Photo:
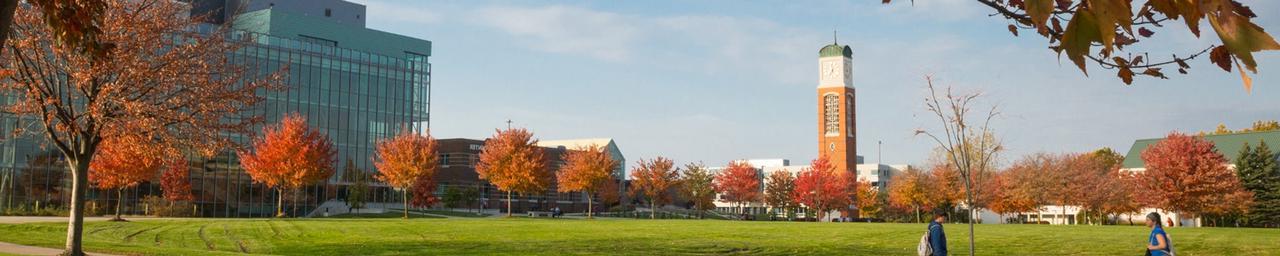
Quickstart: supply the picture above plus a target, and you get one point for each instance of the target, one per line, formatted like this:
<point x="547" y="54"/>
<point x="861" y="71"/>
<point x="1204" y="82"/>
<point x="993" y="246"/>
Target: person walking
<point x="1158" y="241"/>
<point x="937" y="237"/>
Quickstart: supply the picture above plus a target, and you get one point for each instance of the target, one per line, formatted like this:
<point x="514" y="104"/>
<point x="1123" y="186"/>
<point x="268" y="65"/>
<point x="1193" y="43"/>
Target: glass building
<point x="356" y="85"/>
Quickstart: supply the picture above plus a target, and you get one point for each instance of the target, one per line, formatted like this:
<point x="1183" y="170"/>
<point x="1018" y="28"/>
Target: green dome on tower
<point x="835" y="49"/>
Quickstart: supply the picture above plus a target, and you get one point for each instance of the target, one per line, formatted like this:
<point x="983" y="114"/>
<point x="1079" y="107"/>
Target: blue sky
<point x="714" y="81"/>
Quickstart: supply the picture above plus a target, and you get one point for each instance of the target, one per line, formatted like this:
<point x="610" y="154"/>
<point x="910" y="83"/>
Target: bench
<point x="539" y="213"/>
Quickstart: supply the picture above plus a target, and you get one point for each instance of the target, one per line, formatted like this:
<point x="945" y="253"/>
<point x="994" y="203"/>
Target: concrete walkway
<point x="33" y="250"/>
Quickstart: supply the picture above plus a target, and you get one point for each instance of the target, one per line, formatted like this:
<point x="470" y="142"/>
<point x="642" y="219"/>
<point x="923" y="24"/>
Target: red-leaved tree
<point x="176" y="182"/>
<point x="406" y="160"/>
<point x="514" y="163"/>
<point x="821" y="188"/>
<point x="585" y="169"/>
<point x="653" y="179"/>
<point x="739" y="183"/>
<point x="424" y="192"/>
<point x="288" y="156"/>
<point x="1187" y="175"/>
<point x="124" y="162"/>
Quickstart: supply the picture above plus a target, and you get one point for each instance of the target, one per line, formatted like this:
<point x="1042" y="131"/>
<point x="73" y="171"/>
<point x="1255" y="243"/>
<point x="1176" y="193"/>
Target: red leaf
<point x="1220" y="56"/>
<point x="1144" y="32"/>
<point x="1013" y="29"/>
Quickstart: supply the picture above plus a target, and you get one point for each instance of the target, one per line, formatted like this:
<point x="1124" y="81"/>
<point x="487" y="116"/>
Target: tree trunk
<point x="508" y="204"/>
<point x="279" y="202"/>
<point x="1064" y="213"/>
<point x="653" y="211"/>
<point x="969" y="201"/>
<point x="79" y="183"/>
<point x="119" y="201"/>
<point x="917" y="214"/>
<point x="589" y="206"/>
<point x="405" y="196"/>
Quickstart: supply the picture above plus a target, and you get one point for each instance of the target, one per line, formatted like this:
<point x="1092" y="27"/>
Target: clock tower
<point x="836" y="131"/>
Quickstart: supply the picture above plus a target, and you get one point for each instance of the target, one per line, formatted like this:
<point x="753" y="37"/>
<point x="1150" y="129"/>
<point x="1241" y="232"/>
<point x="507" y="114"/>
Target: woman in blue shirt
<point x="1158" y="241"/>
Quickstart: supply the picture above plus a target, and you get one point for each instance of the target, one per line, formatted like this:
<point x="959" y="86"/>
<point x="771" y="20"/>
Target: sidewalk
<point x="33" y="250"/>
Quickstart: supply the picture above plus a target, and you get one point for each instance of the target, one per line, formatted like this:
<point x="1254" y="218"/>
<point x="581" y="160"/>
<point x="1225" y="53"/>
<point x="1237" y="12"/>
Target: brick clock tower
<point x="837" y="135"/>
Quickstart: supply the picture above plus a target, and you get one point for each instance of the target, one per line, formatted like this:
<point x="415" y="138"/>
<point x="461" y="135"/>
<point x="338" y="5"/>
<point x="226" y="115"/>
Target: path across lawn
<point x="454" y="236"/>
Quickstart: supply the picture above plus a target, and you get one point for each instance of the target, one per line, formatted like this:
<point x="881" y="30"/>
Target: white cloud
<point x="563" y="29"/>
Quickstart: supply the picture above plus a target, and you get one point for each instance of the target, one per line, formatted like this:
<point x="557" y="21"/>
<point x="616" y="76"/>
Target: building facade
<point x="354" y="84"/>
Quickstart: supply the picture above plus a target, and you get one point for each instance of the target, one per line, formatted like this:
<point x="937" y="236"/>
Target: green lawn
<point x="522" y="236"/>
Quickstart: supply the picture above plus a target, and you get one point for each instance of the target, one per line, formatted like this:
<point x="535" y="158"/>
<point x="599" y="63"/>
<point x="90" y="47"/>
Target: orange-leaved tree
<point x="652" y="179"/>
<point x="1189" y="175"/>
<point x="585" y="170"/>
<point x="777" y="192"/>
<point x="124" y="162"/>
<point x="176" y="181"/>
<point x="869" y="205"/>
<point x="911" y="190"/>
<point x="159" y="80"/>
<point x="514" y="163"/>
<point x="1075" y="27"/>
<point x="822" y="188"/>
<point x="406" y="160"/>
<point x="739" y="183"/>
<point x="288" y="156"/>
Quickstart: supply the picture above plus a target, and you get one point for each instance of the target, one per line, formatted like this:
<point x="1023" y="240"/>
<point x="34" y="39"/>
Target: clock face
<point x="830" y="70"/>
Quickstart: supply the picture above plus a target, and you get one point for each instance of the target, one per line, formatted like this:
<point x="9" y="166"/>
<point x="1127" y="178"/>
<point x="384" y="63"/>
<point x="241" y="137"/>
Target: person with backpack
<point x="1158" y="243"/>
<point x="934" y="241"/>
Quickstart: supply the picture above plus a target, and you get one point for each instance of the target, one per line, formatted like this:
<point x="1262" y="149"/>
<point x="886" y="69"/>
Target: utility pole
<point x="508" y="124"/>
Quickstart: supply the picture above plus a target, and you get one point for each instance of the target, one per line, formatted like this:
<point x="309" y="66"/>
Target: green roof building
<point x="1228" y="145"/>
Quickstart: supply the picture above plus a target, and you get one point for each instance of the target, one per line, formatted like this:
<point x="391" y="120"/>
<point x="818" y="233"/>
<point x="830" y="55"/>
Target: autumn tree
<point x="609" y="193"/>
<point x="1258" y="126"/>
<point x="868" y="199"/>
<point x="1189" y="175"/>
<point x="1034" y="177"/>
<point x="288" y="156"/>
<point x="652" y="179"/>
<point x="585" y="170"/>
<point x="176" y="182"/>
<point x="124" y="162"/>
<point x="1075" y="27"/>
<point x="739" y="183"/>
<point x="158" y="80"/>
<point x="778" y="190"/>
<point x="423" y="193"/>
<point x="407" y="159"/>
<point x="1006" y="198"/>
<point x="697" y="184"/>
<point x="514" y="163"/>
<point x="1259" y="173"/>
<point x="948" y="189"/>
<point x="969" y="144"/>
<point x="911" y="190"/>
<point x="822" y="188"/>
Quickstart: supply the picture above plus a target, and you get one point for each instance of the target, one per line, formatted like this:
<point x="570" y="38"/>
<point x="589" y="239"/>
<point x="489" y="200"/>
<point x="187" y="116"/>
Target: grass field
<point x="523" y="236"/>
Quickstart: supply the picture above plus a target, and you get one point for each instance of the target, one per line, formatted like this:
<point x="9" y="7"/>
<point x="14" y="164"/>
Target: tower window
<point x="849" y="109"/>
<point x="328" y="12"/>
<point x="831" y="114"/>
